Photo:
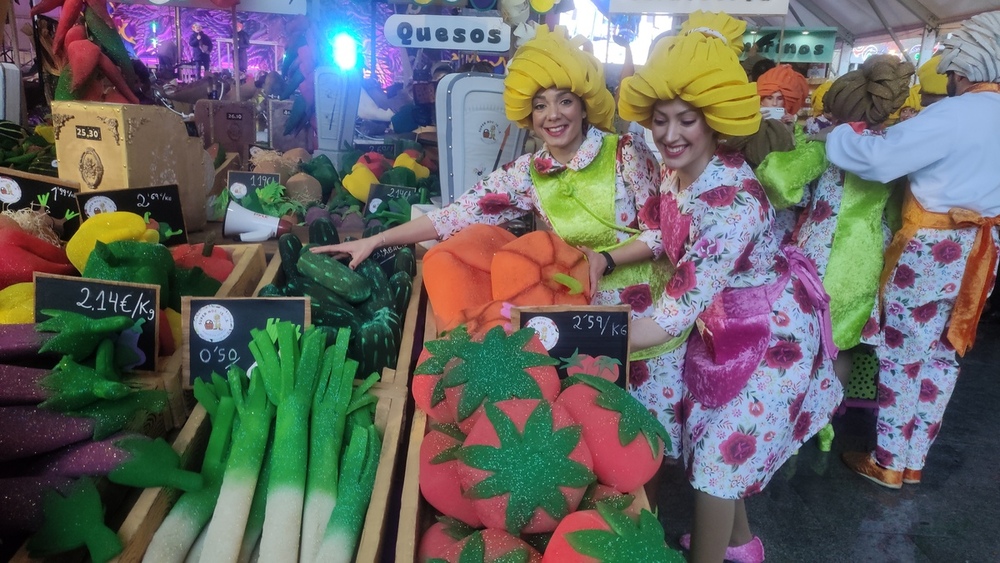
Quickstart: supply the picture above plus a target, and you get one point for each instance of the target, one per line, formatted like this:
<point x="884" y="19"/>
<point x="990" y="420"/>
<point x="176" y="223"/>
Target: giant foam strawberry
<point x="490" y="368"/>
<point x="489" y="546"/>
<point x="626" y="441"/>
<point x="439" y="474"/>
<point x="607" y="534"/>
<point x="525" y="466"/>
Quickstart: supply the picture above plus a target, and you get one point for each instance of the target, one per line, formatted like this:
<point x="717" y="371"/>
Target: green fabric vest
<point x="581" y="208"/>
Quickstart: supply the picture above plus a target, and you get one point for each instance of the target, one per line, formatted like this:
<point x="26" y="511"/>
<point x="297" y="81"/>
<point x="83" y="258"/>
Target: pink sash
<point x="735" y="330"/>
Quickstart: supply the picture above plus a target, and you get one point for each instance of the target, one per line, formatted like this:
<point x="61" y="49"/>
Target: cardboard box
<point x="278" y="112"/>
<point x="231" y="124"/>
<point x="113" y="146"/>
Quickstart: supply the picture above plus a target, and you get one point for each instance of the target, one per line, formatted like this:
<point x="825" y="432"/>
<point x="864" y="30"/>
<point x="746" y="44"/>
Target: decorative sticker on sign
<point x="24" y="190"/>
<point x="10" y="192"/>
<point x="546" y="330"/>
<point x="213" y="322"/>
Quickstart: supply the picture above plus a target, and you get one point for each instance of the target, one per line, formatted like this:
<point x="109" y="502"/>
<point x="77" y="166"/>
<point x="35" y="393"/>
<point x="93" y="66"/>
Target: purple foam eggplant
<point x="21" y="501"/>
<point x="29" y="431"/>
<point x="20" y="385"/>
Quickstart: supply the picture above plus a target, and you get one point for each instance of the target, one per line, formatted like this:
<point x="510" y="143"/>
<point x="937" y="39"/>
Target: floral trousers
<point x="918" y="368"/>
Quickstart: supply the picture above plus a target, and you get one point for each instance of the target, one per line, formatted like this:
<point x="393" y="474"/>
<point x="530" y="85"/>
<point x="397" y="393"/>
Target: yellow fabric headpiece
<point x="912" y="101"/>
<point x="700" y="66"/>
<point x="552" y="60"/>
<point x="932" y="81"/>
<point x="817" y="98"/>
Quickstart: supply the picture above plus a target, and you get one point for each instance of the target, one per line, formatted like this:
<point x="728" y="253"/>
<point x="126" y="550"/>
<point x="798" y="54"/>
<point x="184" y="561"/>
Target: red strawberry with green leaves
<point x="609" y="535"/>
<point x="626" y="440"/>
<point x="490" y="546"/>
<point x="525" y="465"/>
<point x="604" y="367"/>
<point x="443" y="534"/>
<point x="439" y="474"/>
<point x="491" y="367"/>
<point x="597" y="493"/>
<point x="497" y="366"/>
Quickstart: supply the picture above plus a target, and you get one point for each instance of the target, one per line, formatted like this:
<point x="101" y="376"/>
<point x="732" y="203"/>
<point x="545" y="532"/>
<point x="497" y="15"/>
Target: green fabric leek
<point x="153" y="463"/>
<point x="73" y="521"/>
<point x="855" y="263"/>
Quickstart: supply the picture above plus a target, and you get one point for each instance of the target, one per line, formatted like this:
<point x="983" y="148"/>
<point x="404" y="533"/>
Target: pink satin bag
<point x="733" y="333"/>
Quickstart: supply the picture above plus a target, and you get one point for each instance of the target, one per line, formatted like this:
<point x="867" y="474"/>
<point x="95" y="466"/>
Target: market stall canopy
<point x="290" y="7"/>
<point x="854" y="19"/>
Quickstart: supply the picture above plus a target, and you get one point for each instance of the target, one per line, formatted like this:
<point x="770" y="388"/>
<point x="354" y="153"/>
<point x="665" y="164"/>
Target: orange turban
<point x="793" y="87"/>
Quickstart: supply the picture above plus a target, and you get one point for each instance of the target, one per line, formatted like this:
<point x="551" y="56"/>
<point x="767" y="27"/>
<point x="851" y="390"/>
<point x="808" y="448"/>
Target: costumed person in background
<point x="783" y="91"/>
<point x="933" y="84"/>
<point x="942" y="262"/>
<point x="585" y="183"/>
<point x="819" y="118"/>
<point x="757" y="380"/>
<point x="202" y="45"/>
<point x="782" y="87"/>
<point x="911" y="107"/>
<point x="842" y="227"/>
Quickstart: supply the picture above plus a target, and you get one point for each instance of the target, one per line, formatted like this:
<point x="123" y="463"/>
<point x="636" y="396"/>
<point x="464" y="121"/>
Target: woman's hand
<point x="788" y="118"/>
<point x="598" y="263"/>
<point x="358" y="250"/>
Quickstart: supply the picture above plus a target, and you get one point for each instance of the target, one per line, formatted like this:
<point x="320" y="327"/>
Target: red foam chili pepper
<point x="76" y="33"/>
<point x="214" y="261"/>
<point x="83" y="59"/>
<point x="70" y="14"/>
<point x="114" y="75"/>
<point x="23" y="254"/>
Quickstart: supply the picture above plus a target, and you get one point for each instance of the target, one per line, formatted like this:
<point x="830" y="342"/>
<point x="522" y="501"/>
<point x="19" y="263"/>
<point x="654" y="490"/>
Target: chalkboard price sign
<point x="593" y="331"/>
<point x="217" y="330"/>
<point x="387" y="150"/>
<point x="384" y="192"/>
<point x="163" y="203"/>
<point x="240" y="183"/>
<point x="100" y="299"/>
<point x="21" y="190"/>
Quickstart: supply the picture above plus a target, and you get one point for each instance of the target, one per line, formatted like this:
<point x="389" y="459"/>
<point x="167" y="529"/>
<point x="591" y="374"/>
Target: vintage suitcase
<point x="231" y="124"/>
<point x="473" y="133"/>
<point x="278" y="112"/>
<point x="113" y="146"/>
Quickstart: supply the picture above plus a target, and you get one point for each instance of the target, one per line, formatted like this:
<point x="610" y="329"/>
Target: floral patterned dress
<point x="718" y="233"/>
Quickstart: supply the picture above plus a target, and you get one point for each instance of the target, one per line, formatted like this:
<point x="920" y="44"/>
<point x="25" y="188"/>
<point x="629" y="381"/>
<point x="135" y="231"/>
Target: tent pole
<point x="179" y="41"/>
<point x="885" y="24"/>
<point x="236" y="56"/>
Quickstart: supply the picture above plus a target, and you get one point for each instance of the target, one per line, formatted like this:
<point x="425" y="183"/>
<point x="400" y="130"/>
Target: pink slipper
<point x="750" y="552"/>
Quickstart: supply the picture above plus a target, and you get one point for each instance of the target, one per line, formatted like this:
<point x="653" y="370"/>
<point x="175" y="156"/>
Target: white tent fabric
<point x="859" y="19"/>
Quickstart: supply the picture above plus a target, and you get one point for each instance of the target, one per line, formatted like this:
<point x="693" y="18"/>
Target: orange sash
<point x="980" y="267"/>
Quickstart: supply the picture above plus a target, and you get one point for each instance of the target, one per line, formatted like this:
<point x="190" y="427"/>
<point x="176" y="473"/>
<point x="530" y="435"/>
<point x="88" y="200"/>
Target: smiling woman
<point x="755" y="379"/>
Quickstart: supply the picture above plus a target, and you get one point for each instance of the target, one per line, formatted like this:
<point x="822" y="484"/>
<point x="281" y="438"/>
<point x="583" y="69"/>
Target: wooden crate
<point x="249" y="264"/>
<point x="154" y="504"/>
<point x="400" y="376"/>
<point x="415" y="514"/>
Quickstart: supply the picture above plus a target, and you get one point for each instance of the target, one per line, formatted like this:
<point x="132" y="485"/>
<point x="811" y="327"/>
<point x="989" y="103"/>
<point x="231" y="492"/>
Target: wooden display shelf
<point x="399" y="376"/>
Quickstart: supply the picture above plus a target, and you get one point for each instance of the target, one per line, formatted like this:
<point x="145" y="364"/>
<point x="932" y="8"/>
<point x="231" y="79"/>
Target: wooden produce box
<point x="153" y="505"/>
<point x="407" y="353"/>
<point x="232" y="163"/>
<point x="249" y="264"/>
<point x="231" y="124"/>
<point x="278" y="112"/>
<point x="113" y="146"/>
<point x="416" y="515"/>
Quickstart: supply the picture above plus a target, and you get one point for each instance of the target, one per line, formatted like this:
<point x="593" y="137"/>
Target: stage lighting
<point x="345" y="51"/>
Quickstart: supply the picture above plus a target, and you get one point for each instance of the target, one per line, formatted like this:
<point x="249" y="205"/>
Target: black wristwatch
<point x="611" y="262"/>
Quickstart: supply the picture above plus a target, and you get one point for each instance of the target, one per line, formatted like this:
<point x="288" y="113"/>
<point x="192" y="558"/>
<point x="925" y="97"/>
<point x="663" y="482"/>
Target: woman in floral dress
<point x="585" y="183"/>
<point x="757" y="372"/>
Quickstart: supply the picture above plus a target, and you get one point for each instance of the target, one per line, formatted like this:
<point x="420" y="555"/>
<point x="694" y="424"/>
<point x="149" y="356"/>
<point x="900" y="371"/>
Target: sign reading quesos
<point x="460" y="33"/>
